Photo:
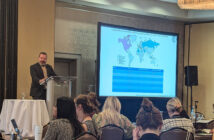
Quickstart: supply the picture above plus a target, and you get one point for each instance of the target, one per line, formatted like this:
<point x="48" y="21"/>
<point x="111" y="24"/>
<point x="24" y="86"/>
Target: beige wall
<point x="201" y="54"/>
<point x="36" y="20"/>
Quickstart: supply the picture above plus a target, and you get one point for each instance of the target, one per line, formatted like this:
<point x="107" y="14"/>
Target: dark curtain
<point x="2" y="48"/>
<point x="8" y="49"/>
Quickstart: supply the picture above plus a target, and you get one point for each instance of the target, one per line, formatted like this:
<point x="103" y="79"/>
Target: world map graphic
<point x="136" y="47"/>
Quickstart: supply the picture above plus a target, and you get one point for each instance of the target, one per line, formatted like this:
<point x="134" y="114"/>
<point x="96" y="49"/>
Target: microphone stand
<point x="196" y="102"/>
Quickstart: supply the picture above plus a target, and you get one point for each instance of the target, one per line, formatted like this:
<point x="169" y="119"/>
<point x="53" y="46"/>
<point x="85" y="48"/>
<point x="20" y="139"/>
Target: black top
<point x="183" y="114"/>
<point x="150" y="136"/>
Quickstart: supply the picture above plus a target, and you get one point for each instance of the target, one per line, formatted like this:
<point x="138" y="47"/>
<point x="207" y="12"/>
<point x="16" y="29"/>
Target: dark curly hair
<point x="93" y="100"/>
<point x="83" y="100"/>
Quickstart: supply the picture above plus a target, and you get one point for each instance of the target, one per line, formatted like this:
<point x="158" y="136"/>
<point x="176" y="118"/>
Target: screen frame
<point x="133" y="29"/>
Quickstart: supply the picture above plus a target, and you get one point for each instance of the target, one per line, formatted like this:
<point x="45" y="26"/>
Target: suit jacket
<point x="37" y="74"/>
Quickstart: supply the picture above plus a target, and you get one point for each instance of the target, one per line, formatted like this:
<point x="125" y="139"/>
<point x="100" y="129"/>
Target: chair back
<point x="1" y="138"/>
<point x="176" y="134"/>
<point x="85" y="136"/>
<point x="112" y="132"/>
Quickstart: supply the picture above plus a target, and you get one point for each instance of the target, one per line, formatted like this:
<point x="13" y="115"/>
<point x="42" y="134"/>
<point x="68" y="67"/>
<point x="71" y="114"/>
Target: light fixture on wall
<point x="196" y="4"/>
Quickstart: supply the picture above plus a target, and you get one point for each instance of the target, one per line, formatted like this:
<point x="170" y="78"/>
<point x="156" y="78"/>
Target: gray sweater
<point x="59" y="129"/>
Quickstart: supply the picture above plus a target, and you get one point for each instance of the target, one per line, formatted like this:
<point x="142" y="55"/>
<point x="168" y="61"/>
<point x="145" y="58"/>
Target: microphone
<point x="16" y="128"/>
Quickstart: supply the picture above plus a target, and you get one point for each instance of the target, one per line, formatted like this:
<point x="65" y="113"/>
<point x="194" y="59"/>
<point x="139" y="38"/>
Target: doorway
<point x="69" y="65"/>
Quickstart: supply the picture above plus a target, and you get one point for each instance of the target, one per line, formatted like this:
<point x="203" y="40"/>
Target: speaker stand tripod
<point x="195" y="106"/>
<point x="190" y="98"/>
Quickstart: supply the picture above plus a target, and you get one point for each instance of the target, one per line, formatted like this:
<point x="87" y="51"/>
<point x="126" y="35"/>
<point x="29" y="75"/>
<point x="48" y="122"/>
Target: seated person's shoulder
<point x="177" y="122"/>
<point x="124" y="117"/>
<point x="97" y="116"/>
<point x="167" y="120"/>
<point x="58" y="122"/>
<point x="176" y="119"/>
<point x="128" y="123"/>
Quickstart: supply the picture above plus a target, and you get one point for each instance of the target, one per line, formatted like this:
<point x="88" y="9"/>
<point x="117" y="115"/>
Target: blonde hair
<point x="174" y="105"/>
<point x="111" y="111"/>
<point x="113" y="104"/>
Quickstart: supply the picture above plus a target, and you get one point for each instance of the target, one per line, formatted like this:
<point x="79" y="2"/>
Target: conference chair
<point x="176" y="134"/>
<point x="112" y="132"/>
<point x="45" y="129"/>
<point x="85" y="136"/>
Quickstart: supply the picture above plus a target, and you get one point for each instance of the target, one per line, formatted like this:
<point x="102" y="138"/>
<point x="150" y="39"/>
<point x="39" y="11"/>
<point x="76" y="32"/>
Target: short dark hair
<point x="148" y="116"/>
<point x="44" y="53"/>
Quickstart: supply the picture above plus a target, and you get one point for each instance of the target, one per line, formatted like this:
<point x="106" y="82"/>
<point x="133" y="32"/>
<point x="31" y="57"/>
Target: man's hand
<point x="42" y="80"/>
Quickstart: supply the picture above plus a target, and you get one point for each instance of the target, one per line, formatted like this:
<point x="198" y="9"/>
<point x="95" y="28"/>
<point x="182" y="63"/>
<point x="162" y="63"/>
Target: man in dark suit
<point x="39" y="73"/>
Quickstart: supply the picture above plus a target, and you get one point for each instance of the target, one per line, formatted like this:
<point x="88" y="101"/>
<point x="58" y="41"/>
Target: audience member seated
<point x="84" y="109"/>
<point x="66" y="126"/>
<point x="148" y="122"/>
<point x="93" y="99"/>
<point x="111" y="115"/>
<point x="174" y="109"/>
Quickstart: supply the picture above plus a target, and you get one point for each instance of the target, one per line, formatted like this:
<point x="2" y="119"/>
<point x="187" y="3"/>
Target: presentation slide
<point x="136" y="63"/>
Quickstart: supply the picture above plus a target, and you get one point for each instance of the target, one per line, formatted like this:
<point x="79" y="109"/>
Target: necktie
<point x="44" y="71"/>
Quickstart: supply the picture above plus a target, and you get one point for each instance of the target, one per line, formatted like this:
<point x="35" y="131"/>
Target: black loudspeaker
<point x="191" y="75"/>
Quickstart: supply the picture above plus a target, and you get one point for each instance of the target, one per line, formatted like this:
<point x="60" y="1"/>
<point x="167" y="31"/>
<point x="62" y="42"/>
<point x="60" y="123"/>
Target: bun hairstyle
<point x="148" y="116"/>
<point x="147" y="105"/>
<point x="93" y="100"/>
<point x="86" y="105"/>
<point x="174" y="105"/>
